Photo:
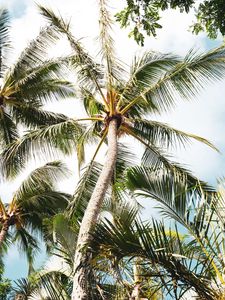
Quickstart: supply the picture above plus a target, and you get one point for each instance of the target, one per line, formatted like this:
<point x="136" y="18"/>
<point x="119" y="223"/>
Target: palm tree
<point x="29" y="83"/>
<point x="199" y="215"/>
<point x="117" y="102"/>
<point x="36" y="199"/>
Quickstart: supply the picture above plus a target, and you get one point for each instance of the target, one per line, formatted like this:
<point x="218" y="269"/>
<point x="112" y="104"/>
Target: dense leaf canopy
<point x="145" y="16"/>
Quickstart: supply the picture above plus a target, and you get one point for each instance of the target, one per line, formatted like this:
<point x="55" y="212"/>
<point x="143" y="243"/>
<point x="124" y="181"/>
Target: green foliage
<point x="144" y="16"/>
<point x="35" y="200"/>
<point x="5" y="288"/>
<point x="5" y="285"/>
<point x="210" y="18"/>
<point x="29" y="83"/>
<point x="109" y="93"/>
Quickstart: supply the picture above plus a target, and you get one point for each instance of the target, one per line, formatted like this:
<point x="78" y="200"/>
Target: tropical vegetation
<point x="144" y="16"/>
<point x="107" y="251"/>
<point x="27" y="84"/>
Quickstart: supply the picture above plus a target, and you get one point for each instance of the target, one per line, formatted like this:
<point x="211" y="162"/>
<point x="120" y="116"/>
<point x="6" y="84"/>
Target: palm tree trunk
<point x="82" y="260"/>
<point x="135" y="295"/>
<point x="3" y="232"/>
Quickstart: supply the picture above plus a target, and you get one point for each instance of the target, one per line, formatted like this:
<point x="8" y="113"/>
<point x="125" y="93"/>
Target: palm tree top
<point x="29" y="83"/>
<point x="37" y="198"/>
<point x="109" y="91"/>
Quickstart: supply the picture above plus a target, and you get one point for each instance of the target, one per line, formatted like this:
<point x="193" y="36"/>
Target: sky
<point x="204" y="116"/>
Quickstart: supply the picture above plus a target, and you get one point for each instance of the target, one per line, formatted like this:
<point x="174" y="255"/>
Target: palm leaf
<point x="44" y="90"/>
<point x="27" y="244"/>
<point x="4" y="39"/>
<point x="88" y="137"/>
<point x="156" y="160"/>
<point x="184" y="79"/>
<point x="84" y="189"/>
<point x="91" y="104"/>
<point x="44" y="204"/>
<point x="23" y="287"/>
<point x="125" y="159"/>
<point x="191" y="206"/>
<point x="189" y="77"/>
<point x="47" y="140"/>
<point x="114" y="68"/>
<point x="174" y="190"/>
<point x="32" y="116"/>
<point x="36" y="83"/>
<point x="56" y="284"/>
<point x="146" y="69"/>
<point x="8" y="131"/>
<point x="165" y="252"/>
<point x="34" y="55"/>
<point x="107" y="47"/>
<point x="89" y="73"/>
<point x="42" y="179"/>
<point x="65" y="234"/>
<point x="162" y="135"/>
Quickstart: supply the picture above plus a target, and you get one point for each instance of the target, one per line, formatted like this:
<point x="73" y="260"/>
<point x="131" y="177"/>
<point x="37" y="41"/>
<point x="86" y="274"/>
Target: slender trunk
<point x="135" y="295"/>
<point x="3" y="232"/>
<point x="82" y="258"/>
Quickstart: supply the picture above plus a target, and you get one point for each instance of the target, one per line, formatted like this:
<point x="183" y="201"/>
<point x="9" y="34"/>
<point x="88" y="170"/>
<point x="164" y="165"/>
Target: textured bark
<point x="82" y="260"/>
<point x="3" y="232"/>
<point x="136" y="293"/>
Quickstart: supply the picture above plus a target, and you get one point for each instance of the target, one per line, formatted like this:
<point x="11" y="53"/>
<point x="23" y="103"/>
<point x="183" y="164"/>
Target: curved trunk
<point x="135" y="295"/>
<point x="82" y="258"/>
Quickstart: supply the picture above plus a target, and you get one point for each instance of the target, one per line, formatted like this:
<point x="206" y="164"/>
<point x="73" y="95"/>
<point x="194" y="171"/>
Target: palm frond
<point x="121" y="209"/>
<point x="105" y="23"/>
<point x="146" y="70"/>
<point x="34" y="55"/>
<point x="125" y="159"/>
<point x="65" y="235"/>
<point x="162" y="135"/>
<point x="56" y="284"/>
<point x="191" y="206"/>
<point x="184" y="79"/>
<point x="23" y="287"/>
<point x="38" y="84"/>
<point x="49" y="69"/>
<point x="157" y="161"/>
<point x="175" y="190"/>
<point x="42" y="179"/>
<point x="84" y="189"/>
<point x="44" y="204"/>
<point x="8" y="131"/>
<point x="28" y="245"/>
<point x="189" y="77"/>
<point x="89" y="73"/>
<point x="153" y="156"/>
<point x="4" y="39"/>
<point x="88" y="137"/>
<point x="91" y="104"/>
<point x="44" y="90"/>
<point x="165" y="254"/>
<point x="32" y="116"/>
<point x="43" y="142"/>
<point x="107" y="48"/>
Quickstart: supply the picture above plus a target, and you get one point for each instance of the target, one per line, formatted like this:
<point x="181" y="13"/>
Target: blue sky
<point x="204" y="117"/>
